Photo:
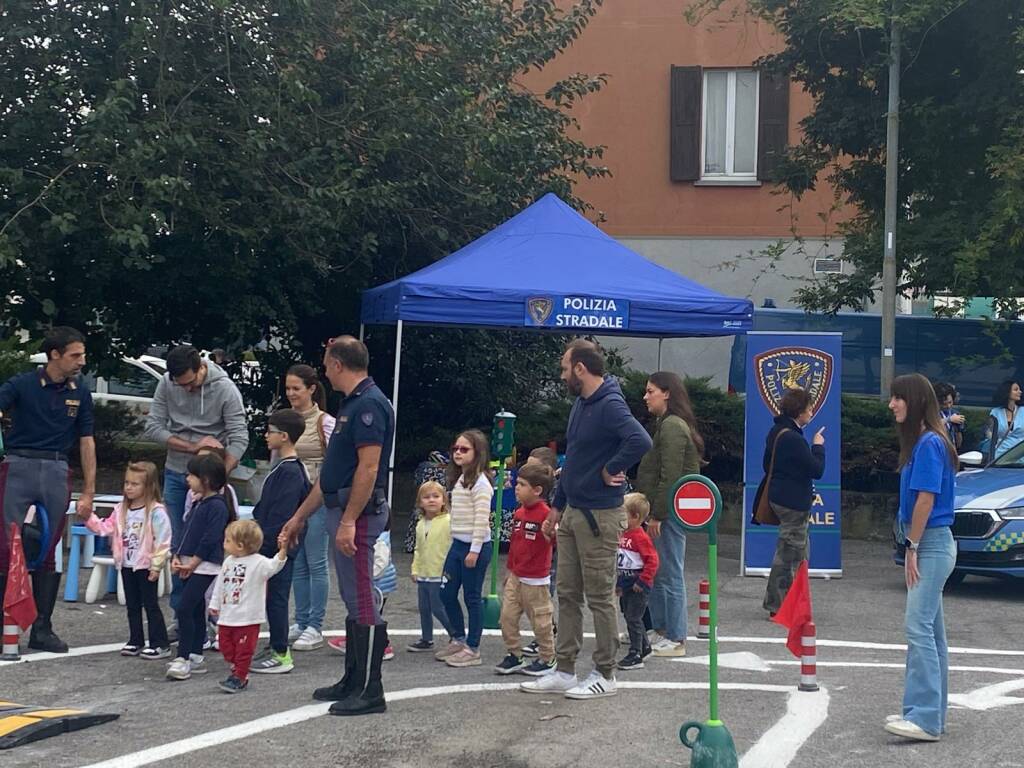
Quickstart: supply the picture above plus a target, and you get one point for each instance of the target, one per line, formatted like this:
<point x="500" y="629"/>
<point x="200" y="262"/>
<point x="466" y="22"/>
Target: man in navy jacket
<point x="603" y="440"/>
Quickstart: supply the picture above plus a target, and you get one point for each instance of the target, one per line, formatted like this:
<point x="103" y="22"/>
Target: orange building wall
<point x="635" y="42"/>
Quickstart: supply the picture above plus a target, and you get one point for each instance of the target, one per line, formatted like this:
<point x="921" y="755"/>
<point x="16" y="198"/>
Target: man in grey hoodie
<point x="603" y="440"/>
<point x="194" y="400"/>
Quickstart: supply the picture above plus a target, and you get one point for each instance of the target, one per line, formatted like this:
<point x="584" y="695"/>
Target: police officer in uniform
<point x="49" y="407"/>
<point x="353" y="487"/>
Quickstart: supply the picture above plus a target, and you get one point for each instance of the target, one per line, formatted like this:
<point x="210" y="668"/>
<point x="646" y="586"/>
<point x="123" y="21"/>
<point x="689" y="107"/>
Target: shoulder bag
<point x="763" y="512"/>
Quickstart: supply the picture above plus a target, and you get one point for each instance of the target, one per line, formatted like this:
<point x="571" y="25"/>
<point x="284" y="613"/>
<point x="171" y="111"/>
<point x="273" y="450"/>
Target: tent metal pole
<point x="362" y="332"/>
<point x="659" y="353"/>
<point x="394" y="404"/>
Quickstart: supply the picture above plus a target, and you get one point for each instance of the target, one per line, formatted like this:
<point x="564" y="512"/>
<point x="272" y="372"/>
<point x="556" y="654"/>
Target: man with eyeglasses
<point x="195" y="404"/>
<point x="353" y="486"/>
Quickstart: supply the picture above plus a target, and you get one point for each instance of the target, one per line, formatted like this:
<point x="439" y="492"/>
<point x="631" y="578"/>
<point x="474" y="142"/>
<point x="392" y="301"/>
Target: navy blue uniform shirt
<point x="46" y="415"/>
<point x="364" y="418"/>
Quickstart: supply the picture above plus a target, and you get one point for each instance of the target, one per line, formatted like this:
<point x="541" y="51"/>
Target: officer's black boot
<point x="343" y="687"/>
<point x="369" y="698"/>
<point x="45" y="585"/>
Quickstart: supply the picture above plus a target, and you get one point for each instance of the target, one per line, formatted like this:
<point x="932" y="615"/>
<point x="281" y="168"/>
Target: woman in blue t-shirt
<point x="927" y="481"/>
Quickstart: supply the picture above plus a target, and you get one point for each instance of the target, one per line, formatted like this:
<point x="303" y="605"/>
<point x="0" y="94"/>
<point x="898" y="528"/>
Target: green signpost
<point x="502" y="446"/>
<point x="695" y="505"/>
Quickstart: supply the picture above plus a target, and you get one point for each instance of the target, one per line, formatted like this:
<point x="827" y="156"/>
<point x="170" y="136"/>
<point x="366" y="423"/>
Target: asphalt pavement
<point x="440" y="716"/>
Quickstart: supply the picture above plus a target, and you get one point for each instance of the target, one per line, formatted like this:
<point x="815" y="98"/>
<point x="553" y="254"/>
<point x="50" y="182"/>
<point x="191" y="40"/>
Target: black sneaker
<point x="420" y="646"/>
<point x="510" y="664"/>
<point x="647" y="651"/>
<point x="538" y="668"/>
<point x="233" y="685"/>
<point x="531" y="650"/>
<point x="631" y="661"/>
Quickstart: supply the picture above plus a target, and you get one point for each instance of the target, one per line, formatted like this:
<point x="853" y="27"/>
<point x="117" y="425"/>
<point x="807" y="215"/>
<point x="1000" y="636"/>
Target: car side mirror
<point x="972" y="459"/>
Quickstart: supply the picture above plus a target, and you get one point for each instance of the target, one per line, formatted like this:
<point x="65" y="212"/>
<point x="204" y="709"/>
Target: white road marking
<point x="990" y="696"/>
<point x="777" y="747"/>
<point x="885" y="665"/>
<point x="745" y="660"/>
<point x="312" y="711"/>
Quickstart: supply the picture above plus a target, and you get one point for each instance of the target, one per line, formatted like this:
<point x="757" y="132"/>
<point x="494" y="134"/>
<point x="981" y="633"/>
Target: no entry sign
<point x="695" y="502"/>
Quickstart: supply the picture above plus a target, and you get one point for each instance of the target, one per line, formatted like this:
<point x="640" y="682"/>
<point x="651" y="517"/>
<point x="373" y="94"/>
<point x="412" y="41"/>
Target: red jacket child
<point x="638" y="560"/>
<point x="529" y="552"/>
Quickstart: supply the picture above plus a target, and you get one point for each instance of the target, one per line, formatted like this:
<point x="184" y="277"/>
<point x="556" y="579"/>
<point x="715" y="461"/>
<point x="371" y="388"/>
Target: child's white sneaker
<point x="556" y="682"/>
<point x="179" y="669"/>
<point x="293" y="633"/>
<point x="309" y="640"/>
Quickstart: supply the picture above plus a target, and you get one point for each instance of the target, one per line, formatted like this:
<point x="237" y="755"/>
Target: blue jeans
<point x="175" y="491"/>
<point x="428" y="595"/>
<point x="927" y="678"/>
<point x="471" y="581"/>
<point x="667" y="600"/>
<point x="309" y="579"/>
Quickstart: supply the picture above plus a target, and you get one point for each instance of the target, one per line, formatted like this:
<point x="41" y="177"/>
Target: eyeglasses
<point x="274" y="431"/>
<point x="461" y="449"/>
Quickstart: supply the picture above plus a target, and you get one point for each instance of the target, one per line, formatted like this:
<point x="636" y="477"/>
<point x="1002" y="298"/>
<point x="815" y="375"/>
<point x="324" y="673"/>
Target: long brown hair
<point x="472" y="473"/>
<point x="678" y="403"/>
<point x="309" y="378"/>
<point x="922" y="412"/>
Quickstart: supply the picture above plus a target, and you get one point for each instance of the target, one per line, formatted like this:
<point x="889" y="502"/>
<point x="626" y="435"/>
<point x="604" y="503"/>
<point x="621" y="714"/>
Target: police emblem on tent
<point x="793" y="367"/>
<point x="539" y="309"/>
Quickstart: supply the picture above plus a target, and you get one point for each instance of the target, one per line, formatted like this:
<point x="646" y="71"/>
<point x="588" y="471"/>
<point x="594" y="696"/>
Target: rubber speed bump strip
<point x="20" y="724"/>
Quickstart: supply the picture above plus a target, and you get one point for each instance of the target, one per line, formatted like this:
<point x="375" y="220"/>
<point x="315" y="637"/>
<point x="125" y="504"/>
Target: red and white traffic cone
<point x="704" y="612"/>
<point x="809" y="659"/>
<point x="12" y="633"/>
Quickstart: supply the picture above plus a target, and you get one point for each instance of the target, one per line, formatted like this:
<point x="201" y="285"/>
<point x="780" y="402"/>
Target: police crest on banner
<point x="790" y="367"/>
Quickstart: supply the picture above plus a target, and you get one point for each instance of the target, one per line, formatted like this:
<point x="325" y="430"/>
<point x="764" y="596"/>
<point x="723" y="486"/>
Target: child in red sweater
<point x="529" y="576"/>
<point x="638" y="562"/>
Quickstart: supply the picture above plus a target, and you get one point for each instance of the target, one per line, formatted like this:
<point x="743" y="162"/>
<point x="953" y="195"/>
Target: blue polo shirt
<point x="46" y="415"/>
<point x="364" y="418"/>
<point x="929" y="469"/>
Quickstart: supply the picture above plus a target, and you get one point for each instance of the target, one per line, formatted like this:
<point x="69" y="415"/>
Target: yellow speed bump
<point x="21" y="724"/>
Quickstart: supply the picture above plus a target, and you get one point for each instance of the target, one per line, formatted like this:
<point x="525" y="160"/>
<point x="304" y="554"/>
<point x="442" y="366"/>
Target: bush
<point x="116" y="426"/>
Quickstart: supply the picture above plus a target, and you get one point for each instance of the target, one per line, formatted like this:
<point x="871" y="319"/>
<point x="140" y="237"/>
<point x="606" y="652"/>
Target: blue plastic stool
<point x="80" y="553"/>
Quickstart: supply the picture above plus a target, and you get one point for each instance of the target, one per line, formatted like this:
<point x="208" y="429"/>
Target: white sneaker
<point x="669" y="649"/>
<point x="294" y="631"/>
<point x="595" y="686"/>
<point x="909" y="730"/>
<point x="179" y="669"/>
<point x="654" y="637"/>
<point x="556" y="682"/>
<point x="197" y="664"/>
<point x="309" y="640"/>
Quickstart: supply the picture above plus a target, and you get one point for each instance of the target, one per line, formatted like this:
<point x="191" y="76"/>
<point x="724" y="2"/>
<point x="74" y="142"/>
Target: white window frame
<point x="730" y="123"/>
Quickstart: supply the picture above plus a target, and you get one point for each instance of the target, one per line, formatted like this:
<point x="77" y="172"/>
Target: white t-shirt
<point x="240" y="591"/>
<point x="131" y="537"/>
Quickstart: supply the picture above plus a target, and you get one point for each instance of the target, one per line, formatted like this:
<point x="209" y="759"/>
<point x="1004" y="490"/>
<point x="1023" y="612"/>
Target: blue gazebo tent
<point x="549" y="269"/>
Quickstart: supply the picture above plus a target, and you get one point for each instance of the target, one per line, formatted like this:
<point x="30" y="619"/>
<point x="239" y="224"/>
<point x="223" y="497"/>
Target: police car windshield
<point x="1012" y="459"/>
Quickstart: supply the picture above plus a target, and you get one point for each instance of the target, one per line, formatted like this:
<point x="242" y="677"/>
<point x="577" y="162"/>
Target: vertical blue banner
<point x="777" y="362"/>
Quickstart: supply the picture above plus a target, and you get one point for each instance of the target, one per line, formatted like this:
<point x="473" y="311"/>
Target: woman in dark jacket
<point x="797" y="465"/>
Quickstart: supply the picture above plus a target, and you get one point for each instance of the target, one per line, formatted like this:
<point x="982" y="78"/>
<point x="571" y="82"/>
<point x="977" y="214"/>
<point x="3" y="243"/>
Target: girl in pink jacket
<point x="140" y="536"/>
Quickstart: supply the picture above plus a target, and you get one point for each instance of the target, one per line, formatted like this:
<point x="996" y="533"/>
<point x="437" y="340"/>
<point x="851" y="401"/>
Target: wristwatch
<point x="911" y="545"/>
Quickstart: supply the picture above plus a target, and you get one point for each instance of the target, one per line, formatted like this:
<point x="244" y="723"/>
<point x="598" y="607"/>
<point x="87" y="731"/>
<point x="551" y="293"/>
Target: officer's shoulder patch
<point x="367" y="418"/>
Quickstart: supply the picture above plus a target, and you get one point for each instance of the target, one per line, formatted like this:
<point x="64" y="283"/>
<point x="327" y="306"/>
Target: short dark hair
<point x="58" y="339"/>
<point x="289" y="421"/>
<point x="350" y="352"/>
<point x="181" y="359"/>
<point x="545" y="456"/>
<point x="538" y="476"/>
<point x="588" y="354"/>
<point x="794" y="402"/>
<point x="944" y="390"/>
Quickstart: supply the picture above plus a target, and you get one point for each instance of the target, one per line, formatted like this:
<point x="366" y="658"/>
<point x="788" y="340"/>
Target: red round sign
<point x="694" y="504"/>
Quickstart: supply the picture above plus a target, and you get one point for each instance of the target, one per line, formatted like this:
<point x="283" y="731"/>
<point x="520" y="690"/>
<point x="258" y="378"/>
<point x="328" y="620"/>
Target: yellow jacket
<point x="432" y="548"/>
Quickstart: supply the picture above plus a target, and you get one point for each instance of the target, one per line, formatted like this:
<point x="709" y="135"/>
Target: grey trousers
<point x="791" y="549"/>
<point x="24" y="482"/>
<point x="355" y="574"/>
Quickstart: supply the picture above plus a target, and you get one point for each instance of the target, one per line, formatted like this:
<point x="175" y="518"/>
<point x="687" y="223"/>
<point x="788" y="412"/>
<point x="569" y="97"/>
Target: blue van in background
<point x="959" y="351"/>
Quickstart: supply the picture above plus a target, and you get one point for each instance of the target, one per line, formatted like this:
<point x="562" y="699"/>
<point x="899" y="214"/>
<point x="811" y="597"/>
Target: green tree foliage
<point x="231" y="172"/>
<point x="961" y="183"/>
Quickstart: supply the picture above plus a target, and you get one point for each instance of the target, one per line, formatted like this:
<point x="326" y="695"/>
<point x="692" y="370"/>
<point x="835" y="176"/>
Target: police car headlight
<point x="1011" y="513"/>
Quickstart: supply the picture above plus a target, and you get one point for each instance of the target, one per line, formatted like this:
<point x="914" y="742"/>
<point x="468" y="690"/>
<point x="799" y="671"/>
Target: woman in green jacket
<point x="677" y="451"/>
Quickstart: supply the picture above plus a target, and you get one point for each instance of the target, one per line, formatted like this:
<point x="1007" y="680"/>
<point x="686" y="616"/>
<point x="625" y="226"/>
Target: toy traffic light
<point x="503" y="435"/>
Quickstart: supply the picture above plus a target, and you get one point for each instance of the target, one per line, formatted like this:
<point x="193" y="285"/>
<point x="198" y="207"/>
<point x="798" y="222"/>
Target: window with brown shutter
<point x="772" y="124"/>
<point x="684" y="154"/>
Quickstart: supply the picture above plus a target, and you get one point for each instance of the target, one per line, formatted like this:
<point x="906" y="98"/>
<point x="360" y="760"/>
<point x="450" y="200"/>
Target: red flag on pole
<point x="19" y="603"/>
<point x="796" y="611"/>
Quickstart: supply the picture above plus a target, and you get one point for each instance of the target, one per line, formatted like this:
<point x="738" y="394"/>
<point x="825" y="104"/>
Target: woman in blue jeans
<point x="677" y="451"/>
<point x="310" y="582"/>
<point x="928" y="463"/>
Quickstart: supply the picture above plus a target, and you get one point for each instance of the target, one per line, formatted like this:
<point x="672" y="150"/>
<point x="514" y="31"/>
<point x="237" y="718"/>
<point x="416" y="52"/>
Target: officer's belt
<point x="339" y="499"/>
<point x="31" y="453"/>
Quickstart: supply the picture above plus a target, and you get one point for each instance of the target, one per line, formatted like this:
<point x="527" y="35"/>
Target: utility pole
<point x="892" y="156"/>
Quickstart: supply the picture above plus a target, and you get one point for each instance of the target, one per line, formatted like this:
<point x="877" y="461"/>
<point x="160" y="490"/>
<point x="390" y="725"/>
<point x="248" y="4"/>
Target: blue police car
<point x="989" y="523"/>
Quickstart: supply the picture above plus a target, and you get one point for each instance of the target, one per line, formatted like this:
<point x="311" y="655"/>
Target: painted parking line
<point x="88" y="650"/>
<point x="801" y="719"/>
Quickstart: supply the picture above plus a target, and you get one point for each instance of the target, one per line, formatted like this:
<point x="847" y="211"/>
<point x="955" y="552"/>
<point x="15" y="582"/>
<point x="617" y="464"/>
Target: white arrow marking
<point x="694" y="503"/>
<point x="745" y="660"/>
<point x="990" y="696"/>
<point x="805" y="712"/>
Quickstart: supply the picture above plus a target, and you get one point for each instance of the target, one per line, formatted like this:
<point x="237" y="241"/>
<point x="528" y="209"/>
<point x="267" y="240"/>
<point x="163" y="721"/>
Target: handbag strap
<point x="771" y="462"/>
